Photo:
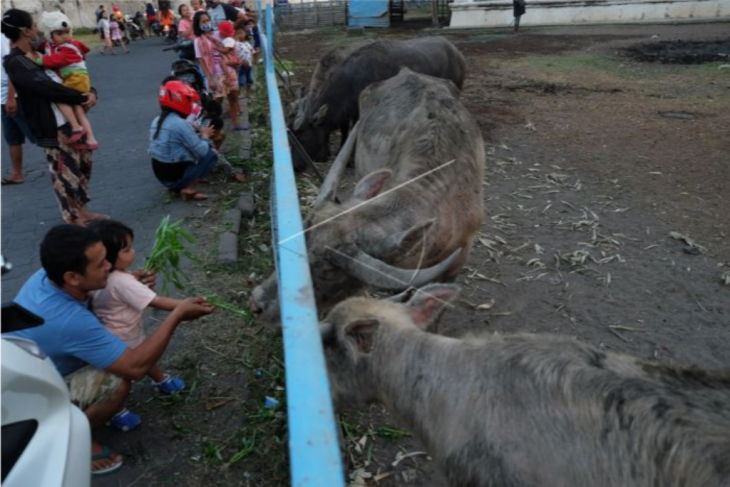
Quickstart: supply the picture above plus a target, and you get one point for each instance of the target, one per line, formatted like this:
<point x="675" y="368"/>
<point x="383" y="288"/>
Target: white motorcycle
<point x="46" y="440"/>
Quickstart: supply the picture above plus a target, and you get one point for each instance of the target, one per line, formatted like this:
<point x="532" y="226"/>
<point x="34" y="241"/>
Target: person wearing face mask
<point x="70" y="167"/>
<point x="220" y="12"/>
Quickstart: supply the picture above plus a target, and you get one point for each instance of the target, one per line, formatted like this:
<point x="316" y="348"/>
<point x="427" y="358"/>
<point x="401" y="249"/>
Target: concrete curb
<point x="228" y="243"/>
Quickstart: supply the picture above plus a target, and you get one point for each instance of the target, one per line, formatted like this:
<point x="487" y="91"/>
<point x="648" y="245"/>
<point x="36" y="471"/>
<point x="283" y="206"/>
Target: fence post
<point x="313" y="447"/>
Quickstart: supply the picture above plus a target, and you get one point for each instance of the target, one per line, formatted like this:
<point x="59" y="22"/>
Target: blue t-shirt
<point x="72" y="336"/>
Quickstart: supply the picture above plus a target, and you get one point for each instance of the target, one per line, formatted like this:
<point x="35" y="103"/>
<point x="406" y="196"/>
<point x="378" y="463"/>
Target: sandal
<point x="97" y="216"/>
<point x="76" y="135"/>
<point x="194" y="196"/>
<point x="106" y="454"/>
<point x="8" y="181"/>
<point x="240" y="177"/>
<point x="83" y="146"/>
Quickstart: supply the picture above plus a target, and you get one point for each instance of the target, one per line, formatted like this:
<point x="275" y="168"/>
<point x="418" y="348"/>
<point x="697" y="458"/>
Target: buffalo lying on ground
<point x="335" y="105"/>
<point x="529" y="410"/>
<point x="417" y="206"/>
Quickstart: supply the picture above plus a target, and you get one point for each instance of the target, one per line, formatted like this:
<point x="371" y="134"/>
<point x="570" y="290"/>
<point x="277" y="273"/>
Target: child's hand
<point x="206" y="132"/>
<point x="193" y="308"/>
<point x="148" y="278"/>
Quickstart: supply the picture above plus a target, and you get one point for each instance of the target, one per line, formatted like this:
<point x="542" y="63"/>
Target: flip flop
<point x="196" y="196"/>
<point x="76" y="135"/>
<point x="83" y="146"/>
<point x="106" y="454"/>
<point x="97" y="216"/>
<point x="8" y="182"/>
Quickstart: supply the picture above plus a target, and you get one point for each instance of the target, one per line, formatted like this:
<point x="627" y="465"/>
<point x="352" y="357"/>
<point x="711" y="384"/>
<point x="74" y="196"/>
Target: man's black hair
<point x="63" y="250"/>
<point x="13" y="23"/>
<point x="113" y="235"/>
<point x="196" y="22"/>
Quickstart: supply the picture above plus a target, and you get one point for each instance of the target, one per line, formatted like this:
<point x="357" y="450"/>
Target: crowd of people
<point x="47" y="91"/>
<point x="91" y="301"/>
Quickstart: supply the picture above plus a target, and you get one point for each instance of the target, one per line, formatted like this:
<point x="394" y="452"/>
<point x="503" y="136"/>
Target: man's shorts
<point x="89" y="386"/>
<point x="15" y="129"/>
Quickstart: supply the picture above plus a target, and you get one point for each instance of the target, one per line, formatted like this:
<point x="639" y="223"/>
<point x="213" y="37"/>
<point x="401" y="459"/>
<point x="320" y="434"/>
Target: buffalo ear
<point x="328" y="332"/>
<point x="371" y="185"/>
<point x="362" y="333"/>
<point x="321" y="113"/>
<point x="427" y="305"/>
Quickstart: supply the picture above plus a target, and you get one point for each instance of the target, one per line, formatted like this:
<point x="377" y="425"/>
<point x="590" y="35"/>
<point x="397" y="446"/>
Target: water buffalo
<point x="529" y="410"/>
<point x="326" y="65"/>
<point x="422" y="156"/>
<point x="335" y="105"/>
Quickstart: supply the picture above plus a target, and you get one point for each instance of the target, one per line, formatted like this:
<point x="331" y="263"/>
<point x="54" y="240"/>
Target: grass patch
<point x="557" y="63"/>
<point x="617" y="67"/>
<point x="87" y="37"/>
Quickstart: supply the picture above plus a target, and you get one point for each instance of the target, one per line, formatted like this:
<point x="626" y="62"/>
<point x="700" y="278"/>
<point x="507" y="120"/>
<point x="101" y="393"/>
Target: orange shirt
<point x="167" y="18"/>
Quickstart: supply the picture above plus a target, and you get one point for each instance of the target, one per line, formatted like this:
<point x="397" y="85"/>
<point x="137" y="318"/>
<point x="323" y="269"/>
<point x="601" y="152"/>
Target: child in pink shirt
<point x="120" y="306"/>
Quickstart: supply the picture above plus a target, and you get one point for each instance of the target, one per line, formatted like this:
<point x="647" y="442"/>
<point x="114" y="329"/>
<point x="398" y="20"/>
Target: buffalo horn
<point x="378" y="274"/>
<point x="329" y="187"/>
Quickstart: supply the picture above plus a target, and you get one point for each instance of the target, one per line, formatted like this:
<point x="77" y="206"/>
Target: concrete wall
<point x="81" y="12"/>
<point x="495" y="13"/>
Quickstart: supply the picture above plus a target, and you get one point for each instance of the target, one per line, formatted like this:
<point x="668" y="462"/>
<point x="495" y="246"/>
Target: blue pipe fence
<point x="313" y="445"/>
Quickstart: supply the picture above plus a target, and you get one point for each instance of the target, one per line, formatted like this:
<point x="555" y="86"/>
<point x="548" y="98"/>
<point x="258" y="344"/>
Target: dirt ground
<point x="593" y="159"/>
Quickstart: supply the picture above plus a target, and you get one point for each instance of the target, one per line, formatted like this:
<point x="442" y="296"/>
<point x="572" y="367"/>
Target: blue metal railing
<point x="313" y="448"/>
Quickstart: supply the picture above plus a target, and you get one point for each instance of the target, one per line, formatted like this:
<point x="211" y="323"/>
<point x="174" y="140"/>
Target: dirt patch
<point x="681" y="52"/>
<point x="594" y="162"/>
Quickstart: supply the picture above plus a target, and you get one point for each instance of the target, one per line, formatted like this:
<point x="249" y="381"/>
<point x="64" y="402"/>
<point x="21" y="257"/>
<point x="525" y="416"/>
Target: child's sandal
<point x="169" y="385"/>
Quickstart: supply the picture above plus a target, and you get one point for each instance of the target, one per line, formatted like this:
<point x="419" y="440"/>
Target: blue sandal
<point x="169" y="385"/>
<point x="125" y="420"/>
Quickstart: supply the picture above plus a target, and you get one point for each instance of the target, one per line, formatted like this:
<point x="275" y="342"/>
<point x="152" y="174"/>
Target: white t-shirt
<point x="121" y="306"/>
<point x="245" y="52"/>
<point x="217" y="15"/>
<point x="5" y="51"/>
<point x="229" y="42"/>
<point x="103" y="26"/>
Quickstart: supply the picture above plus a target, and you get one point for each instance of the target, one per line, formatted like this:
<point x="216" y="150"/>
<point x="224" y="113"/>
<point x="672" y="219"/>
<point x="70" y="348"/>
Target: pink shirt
<point x="214" y="60"/>
<point x="121" y="305"/>
<point x="187" y="27"/>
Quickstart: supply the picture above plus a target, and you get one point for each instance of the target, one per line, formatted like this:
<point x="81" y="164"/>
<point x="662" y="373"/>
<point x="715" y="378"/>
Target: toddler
<point x="116" y="34"/>
<point x="246" y="53"/>
<point x="65" y="59"/>
<point x="121" y="304"/>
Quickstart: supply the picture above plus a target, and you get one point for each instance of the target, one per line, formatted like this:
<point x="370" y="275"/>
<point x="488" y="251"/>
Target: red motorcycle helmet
<point x="178" y="96"/>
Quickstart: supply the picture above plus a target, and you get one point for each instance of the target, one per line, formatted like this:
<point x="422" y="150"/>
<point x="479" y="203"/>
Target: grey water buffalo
<point x="335" y="105"/>
<point x="413" y="214"/>
<point x="529" y="410"/>
<point x="327" y="64"/>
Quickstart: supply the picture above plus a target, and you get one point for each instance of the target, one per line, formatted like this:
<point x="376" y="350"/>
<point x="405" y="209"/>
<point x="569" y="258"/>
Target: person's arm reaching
<point x="136" y="362"/>
<point x="164" y="303"/>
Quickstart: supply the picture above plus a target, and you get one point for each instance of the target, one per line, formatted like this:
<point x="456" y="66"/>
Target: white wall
<point x="495" y="13"/>
<point x="81" y="12"/>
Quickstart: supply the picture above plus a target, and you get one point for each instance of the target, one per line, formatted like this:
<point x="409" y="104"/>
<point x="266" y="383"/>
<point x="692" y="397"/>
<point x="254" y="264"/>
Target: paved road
<point x="122" y="183"/>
